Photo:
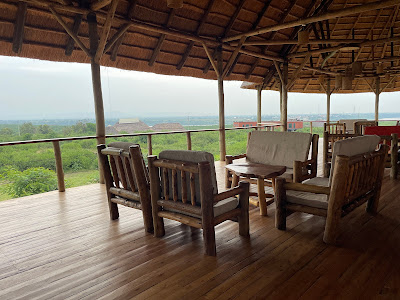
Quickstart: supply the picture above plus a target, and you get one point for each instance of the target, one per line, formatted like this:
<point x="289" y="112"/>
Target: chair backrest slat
<point x="174" y="185"/>
<point x="128" y="173"/>
<point x="121" y="172"/>
<point x="114" y="171"/>
<point x="192" y="188"/>
<point x="166" y="183"/>
<point x="184" y="186"/>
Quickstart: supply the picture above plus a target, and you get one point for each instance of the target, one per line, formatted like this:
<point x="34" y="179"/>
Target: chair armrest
<point x="230" y="158"/>
<point x="316" y="189"/>
<point x="229" y="193"/>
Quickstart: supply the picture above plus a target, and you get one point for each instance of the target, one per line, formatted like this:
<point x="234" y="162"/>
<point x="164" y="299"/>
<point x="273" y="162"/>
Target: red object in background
<point x="381" y="130"/>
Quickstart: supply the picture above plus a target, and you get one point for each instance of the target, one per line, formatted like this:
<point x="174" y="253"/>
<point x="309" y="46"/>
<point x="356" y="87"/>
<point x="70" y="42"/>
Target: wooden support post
<point x="19" y="27"/>
<point x="149" y="145"/>
<point x="328" y="100"/>
<point x="222" y="145"/>
<point x="311" y="127"/>
<point x="59" y="166"/>
<point x="189" y="140"/>
<point x="284" y="95"/>
<point x="259" y="90"/>
<point x="377" y="92"/>
<point x="96" y="81"/>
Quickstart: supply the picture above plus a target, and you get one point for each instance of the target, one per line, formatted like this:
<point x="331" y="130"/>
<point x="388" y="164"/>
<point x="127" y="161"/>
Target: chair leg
<point x="148" y="219"/>
<point x="244" y="209"/>
<point x="280" y="201"/>
<point x="114" y="214"/>
<point x="209" y="241"/>
<point x="159" y="230"/>
<point x="331" y="228"/>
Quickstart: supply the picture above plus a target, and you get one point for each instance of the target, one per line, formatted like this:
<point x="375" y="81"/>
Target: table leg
<point x="261" y="197"/>
<point x="235" y="180"/>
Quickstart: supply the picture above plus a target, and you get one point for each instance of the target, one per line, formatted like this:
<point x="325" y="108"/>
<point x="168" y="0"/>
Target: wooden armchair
<point x="288" y="149"/>
<point x="127" y="179"/>
<point x="356" y="178"/>
<point x="360" y="125"/>
<point x="184" y="189"/>
<point x="335" y="127"/>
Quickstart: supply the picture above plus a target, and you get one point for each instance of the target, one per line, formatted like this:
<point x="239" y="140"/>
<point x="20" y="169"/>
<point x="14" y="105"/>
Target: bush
<point x="29" y="182"/>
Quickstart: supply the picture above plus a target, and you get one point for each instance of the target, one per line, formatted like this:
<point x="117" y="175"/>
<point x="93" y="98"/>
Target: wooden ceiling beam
<point x="369" y="61"/>
<point x="226" y="31"/>
<point x="161" y="39"/>
<point x="75" y="29"/>
<point x="106" y="31"/>
<point x="211" y="60"/>
<point x="69" y="31"/>
<point x="99" y="4"/>
<point x="199" y="28"/>
<point x="298" y="71"/>
<point x="326" y="16"/>
<point x="19" y="26"/>
<point x="233" y="57"/>
<point x="295" y="42"/>
<point x="331" y="49"/>
<point x="121" y="31"/>
<point x="271" y="37"/>
<point x="117" y="44"/>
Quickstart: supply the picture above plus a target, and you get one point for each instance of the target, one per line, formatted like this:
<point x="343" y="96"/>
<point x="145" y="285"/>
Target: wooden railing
<point x="57" y="149"/>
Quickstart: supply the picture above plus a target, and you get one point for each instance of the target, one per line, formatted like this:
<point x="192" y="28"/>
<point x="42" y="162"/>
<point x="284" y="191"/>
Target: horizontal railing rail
<point x="57" y="149"/>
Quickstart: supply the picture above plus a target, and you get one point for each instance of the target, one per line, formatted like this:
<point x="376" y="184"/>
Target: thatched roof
<point x="168" y="41"/>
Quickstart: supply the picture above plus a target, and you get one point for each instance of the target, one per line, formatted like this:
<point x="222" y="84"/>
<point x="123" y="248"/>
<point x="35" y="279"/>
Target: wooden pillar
<point x="96" y="81"/>
<point x="221" y="101"/>
<point x="377" y="92"/>
<point x="59" y="166"/>
<point x="259" y="90"/>
<point x="280" y="100"/>
<point x="284" y="95"/>
<point x="328" y="100"/>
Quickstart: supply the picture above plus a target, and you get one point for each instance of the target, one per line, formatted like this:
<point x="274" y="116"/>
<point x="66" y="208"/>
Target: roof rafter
<point x="199" y="27"/>
<point x="161" y="39"/>
<point x="19" y="26"/>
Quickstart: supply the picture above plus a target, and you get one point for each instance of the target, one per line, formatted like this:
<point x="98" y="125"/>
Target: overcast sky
<point x="34" y="89"/>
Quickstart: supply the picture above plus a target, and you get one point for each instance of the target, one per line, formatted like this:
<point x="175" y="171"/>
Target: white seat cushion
<point x="308" y="199"/>
<point x="320" y="181"/>
<point x="278" y="148"/>
<point x="225" y="205"/>
<point x="353" y="146"/>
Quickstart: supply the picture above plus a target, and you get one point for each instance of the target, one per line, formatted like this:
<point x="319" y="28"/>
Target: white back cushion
<point x="278" y="148"/>
<point x="353" y="146"/>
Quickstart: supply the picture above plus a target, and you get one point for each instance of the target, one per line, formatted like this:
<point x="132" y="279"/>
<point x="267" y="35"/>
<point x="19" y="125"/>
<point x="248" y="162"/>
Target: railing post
<point x="149" y="145"/>
<point x="311" y="127"/>
<point x="59" y="167"/>
<point x="189" y="140"/>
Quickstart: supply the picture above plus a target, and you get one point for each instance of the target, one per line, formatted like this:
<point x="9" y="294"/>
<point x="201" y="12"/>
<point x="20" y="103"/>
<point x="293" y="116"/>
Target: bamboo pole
<point x="189" y="140"/>
<point x="284" y="95"/>
<point x="97" y="91"/>
<point x="149" y="145"/>
<point x="221" y="101"/>
<point x="328" y="100"/>
<point x="259" y="92"/>
<point x="330" y="15"/>
<point x="59" y="166"/>
<point x="377" y="93"/>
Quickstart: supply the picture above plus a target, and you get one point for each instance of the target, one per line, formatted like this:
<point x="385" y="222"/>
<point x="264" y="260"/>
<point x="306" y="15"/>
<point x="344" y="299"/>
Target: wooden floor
<point x="63" y="246"/>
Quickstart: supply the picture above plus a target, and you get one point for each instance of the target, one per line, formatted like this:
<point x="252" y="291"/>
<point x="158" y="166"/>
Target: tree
<point x="44" y="129"/>
<point x="6" y="131"/>
<point x="27" y="128"/>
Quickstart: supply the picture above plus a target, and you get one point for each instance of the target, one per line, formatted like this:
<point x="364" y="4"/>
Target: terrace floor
<point x="63" y="246"/>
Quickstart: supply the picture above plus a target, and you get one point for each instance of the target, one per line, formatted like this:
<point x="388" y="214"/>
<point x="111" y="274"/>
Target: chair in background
<point x="184" y="188"/>
<point x="356" y="178"/>
<point x="127" y="179"/>
<point x="360" y="125"/>
<point x="290" y="149"/>
<point x="350" y="124"/>
<point x="335" y="127"/>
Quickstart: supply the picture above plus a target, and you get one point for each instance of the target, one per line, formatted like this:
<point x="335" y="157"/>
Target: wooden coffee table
<point x="260" y="172"/>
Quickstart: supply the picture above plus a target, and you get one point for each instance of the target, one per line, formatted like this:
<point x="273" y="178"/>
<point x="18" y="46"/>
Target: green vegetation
<point x="28" y="169"/>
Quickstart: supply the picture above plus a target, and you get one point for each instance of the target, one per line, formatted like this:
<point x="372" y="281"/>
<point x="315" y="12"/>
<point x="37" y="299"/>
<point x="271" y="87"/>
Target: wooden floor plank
<point x="64" y="246"/>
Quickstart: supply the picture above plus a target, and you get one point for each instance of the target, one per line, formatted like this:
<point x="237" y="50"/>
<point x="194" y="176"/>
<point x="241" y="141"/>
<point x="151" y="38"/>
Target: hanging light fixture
<point x="379" y="68"/>
<point x="303" y="37"/>
<point x="338" y="81"/>
<point x="175" y="3"/>
<point x="356" y="68"/>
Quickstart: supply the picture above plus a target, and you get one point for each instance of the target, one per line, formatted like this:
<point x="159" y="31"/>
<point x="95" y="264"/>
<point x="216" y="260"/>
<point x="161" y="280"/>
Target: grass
<point x="81" y="178"/>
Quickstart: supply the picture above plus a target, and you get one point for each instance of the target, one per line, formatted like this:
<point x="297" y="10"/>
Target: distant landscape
<point x="30" y="169"/>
